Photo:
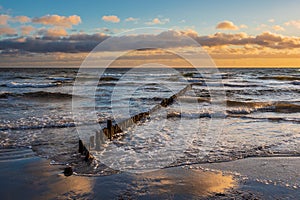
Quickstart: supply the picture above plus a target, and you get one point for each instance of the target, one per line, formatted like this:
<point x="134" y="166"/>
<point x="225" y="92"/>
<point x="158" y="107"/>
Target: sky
<point x="234" y="33"/>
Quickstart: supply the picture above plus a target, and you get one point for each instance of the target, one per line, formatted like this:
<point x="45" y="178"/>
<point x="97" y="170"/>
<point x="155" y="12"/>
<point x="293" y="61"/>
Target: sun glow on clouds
<point x="26" y="30"/>
<point x="8" y="31"/>
<point x="131" y="19"/>
<point x="57" y="20"/>
<point x="21" y="19"/>
<point x="53" y="39"/>
<point x="294" y="23"/>
<point x="53" y="32"/>
<point x="226" y="49"/>
<point x="157" y="21"/>
<point x="111" y="18"/>
<point x="3" y="19"/>
<point x="227" y="25"/>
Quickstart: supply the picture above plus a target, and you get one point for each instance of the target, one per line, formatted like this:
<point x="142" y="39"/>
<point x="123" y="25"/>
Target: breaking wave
<point x="32" y="85"/>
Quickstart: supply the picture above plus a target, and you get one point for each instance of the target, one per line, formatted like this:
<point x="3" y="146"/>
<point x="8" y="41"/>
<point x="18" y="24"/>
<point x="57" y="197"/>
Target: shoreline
<point x="260" y="178"/>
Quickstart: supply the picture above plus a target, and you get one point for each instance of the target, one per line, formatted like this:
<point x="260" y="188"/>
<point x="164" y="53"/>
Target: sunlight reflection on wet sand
<point x="184" y="181"/>
<point x="36" y="179"/>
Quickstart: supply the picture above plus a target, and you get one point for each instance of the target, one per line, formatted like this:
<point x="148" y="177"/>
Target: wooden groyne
<point x="113" y="131"/>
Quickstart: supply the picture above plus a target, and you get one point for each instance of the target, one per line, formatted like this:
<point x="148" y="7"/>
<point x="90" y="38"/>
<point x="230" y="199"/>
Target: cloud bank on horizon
<point x="23" y="37"/>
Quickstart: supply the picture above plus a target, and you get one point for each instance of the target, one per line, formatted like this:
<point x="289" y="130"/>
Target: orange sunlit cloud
<point x="21" y="19"/>
<point x="227" y="25"/>
<point x="53" y="32"/>
<point x="26" y="30"/>
<point x="3" y="19"/>
<point x="111" y="18"/>
<point x="57" y="20"/>
<point x="7" y="31"/>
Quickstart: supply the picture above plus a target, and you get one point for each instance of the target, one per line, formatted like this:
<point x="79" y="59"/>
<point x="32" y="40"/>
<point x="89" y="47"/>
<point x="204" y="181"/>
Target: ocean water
<point x="226" y="115"/>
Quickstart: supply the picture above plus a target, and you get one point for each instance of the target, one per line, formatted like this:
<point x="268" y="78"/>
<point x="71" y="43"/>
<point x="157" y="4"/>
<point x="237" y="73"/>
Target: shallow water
<point x="252" y="112"/>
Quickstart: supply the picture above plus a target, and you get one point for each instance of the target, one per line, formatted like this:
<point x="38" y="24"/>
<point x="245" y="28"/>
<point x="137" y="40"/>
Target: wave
<point x="205" y="76"/>
<point x="60" y="78"/>
<point x="39" y="94"/>
<point x="22" y="77"/>
<point x="295" y="82"/>
<point x="280" y="78"/>
<point x="32" y="85"/>
<point x="108" y="78"/>
<point x="273" y="119"/>
<point x="40" y="126"/>
<point x="187" y="99"/>
<point x="175" y="114"/>
<point x="238" y="108"/>
<point x="5" y="95"/>
<point x="240" y="85"/>
<point x="250" y="107"/>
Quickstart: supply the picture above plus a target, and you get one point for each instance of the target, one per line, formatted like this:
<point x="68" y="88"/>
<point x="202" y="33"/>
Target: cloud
<point x="53" y="32"/>
<point x="156" y="21"/>
<point x="271" y="20"/>
<point x="278" y="28"/>
<point x="111" y="18"/>
<point x="56" y="20"/>
<point x="20" y="19"/>
<point x="294" y="23"/>
<point x="26" y="30"/>
<point x="227" y="25"/>
<point x="243" y="26"/>
<point x="4" y="19"/>
<point x="72" y="44"/>
<point x="8" y="31"/>
<point x="131" y="19"/>
<point x="58" y="41"/>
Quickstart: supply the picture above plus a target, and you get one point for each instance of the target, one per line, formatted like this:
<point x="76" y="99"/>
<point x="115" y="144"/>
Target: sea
<point x="227" y="114"/>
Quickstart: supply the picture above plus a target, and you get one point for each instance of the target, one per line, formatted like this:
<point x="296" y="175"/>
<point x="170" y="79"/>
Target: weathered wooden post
<point x="109" y="128"/>
<point x="81" y="147"/>
<point x="92" y="142"/>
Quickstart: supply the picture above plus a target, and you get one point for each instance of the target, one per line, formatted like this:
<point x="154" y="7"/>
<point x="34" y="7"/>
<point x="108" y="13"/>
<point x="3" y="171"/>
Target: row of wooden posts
<point x="116" y="130"/>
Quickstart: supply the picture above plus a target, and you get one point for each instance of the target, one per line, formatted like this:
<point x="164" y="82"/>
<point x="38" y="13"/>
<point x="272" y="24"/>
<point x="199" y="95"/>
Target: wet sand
<point x="267" y="177"/>
<point x="35" y="178"/>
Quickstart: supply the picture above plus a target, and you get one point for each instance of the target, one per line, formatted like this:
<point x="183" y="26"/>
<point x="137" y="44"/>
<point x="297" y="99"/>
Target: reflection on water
<point x="57" y="186"/>
<point x="71" y="187"/>
<point x="183" y="182"/>
<point x="34" y="178"/>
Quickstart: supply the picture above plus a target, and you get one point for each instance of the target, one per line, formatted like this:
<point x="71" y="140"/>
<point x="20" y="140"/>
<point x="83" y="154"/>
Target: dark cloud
<point x="76" y="43"/>
<point x="72" y="44"/>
